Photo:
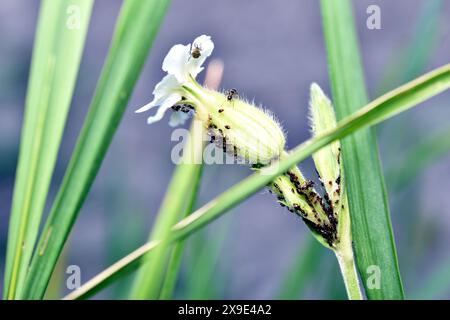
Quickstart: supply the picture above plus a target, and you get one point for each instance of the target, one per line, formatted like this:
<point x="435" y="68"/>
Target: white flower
<point x="182" y="67"/>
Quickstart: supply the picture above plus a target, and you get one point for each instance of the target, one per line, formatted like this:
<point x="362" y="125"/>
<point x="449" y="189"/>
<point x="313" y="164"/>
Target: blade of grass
<point x="381" y="109"/>
<point x="424" y="36"/>
<point x="303" y="268"/>
<point x="136" y="29"/>
<point x="213" y="77"/>
<point x="436" y="284"/>
<point x="56" y="58"/>
<point x="204" y="280"/>
<point x="425" y="153"/>
<point x="369" y="211"/>
<point x="179" y="199"/>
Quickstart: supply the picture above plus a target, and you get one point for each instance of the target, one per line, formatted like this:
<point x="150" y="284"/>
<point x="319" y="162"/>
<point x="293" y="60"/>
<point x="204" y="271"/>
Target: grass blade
<point x="368" y="203"/>
<point x="426" y="152"/>
<point x="424" y="36"/>
<point x="436" y="284"/>
<point x="174" y="262"/>
<point x="148" y="282"/>
<point x="57" y="51"/>
<point x="213" y="78"/>
<point x="381" y="109"/>
<point x="207" y="280"/>
<point x="302" y="271"/>
<point x="136" y="29"/>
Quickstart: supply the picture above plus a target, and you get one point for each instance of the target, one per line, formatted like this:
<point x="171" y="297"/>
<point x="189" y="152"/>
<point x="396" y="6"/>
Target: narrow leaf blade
<point x="369" y="211"/>
<point x="135" y="31"/>
<point x="56" y="58"/>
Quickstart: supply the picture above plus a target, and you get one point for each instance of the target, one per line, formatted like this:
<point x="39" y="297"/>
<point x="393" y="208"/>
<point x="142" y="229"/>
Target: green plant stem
<point x="350" y="275"/>
<point x="383" y="108"/>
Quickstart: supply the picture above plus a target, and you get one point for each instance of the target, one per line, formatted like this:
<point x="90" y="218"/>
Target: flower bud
<point x="237" y="126"/>
<point x="327" y="159"/>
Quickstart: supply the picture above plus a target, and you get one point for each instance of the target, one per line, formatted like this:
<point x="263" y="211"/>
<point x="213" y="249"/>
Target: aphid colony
<point x="298" y="195"/>
<point x="217" y="135"/>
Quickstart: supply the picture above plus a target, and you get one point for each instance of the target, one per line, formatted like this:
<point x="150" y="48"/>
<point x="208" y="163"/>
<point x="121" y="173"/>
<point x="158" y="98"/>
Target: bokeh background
<point x="272" y="53"/>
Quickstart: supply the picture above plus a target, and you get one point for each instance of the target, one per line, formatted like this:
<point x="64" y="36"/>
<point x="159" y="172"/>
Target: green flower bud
<point x="327" y="159"/>
<point x="237" y="126"/>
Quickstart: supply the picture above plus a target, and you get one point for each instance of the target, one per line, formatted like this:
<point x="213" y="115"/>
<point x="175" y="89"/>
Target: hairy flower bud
<point x="237" y="126"/>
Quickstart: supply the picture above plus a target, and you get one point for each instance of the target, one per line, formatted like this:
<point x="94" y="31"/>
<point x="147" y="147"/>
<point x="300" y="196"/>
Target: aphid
<point x="196" y="51"/>
<point x="231" y="94"/>
<point x="227" y="127"/>
<point x="213" y="138"/>
<point x="224" y="144"/>
<point x="183" y="107"/>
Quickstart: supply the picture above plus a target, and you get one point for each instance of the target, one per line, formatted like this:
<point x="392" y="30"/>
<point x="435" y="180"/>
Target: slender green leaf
<point x="424" y="153"/>
<point x="59" y="43"/>
<point x="424" y="36"/>
<point x="383" y="108"/>
<point x="304" y="267"/>
<point x="368" y="202"/>
<point x="176" y="255"/>
<point x="436" y="284"/>
<point x="204" y="281"/>
<point x="179" y="199"/>
<point x="136" y="29"/>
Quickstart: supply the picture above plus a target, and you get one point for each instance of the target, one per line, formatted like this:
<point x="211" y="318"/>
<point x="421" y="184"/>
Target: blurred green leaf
<point x="176" y="254"/>
<point x="419" y="157"/>
<point x="368" y="202"/>
<point x="420" y="47"/>
<point x="383" y="108"/>
<point x="203" y="281"/>
<point x="436" y="284"/>
<point x="302" y="270"/>
<point x="178" y="202"/>
<point x="136" y="29"/>
<point x="57" y="51"/>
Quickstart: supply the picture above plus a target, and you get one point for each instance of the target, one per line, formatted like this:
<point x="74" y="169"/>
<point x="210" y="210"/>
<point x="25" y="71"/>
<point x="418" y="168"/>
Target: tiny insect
<point x="196" y="51"/>
<point x="231" y="94"/>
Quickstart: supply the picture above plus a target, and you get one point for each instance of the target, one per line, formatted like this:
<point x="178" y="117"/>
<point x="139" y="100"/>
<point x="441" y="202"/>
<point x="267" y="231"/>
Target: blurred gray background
<point x="272" y="51"/>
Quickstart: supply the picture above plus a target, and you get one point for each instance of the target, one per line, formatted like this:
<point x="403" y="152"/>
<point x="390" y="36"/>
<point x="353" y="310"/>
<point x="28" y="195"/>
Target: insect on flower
<point x="232" y="94"/>
<point x="254" y="132"/>
<point x="196" y="51"/>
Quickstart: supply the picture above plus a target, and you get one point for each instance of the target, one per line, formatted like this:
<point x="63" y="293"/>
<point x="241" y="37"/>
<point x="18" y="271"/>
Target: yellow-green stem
<point x="349" y="273"/>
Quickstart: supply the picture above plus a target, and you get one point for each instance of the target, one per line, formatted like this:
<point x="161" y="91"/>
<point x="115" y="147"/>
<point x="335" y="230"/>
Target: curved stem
<point x="349" y="274"/>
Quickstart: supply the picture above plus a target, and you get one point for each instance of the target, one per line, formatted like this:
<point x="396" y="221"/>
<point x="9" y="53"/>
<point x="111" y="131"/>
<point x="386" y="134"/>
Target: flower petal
<point x="206" y="46"/>
<point x="167" y="104"/>
<point x="166" y="87"/>
<point x="175" y="62"/>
